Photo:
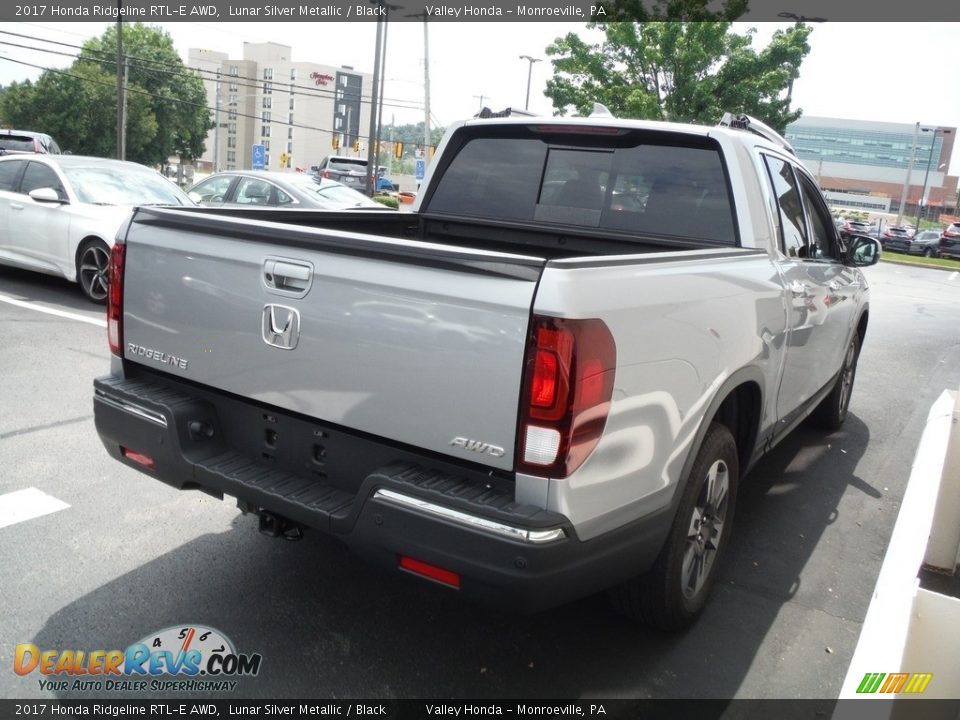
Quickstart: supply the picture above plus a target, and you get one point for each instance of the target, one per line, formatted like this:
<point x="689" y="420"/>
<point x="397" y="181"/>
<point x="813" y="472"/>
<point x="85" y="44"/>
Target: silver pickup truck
<point x="546" y="381"/>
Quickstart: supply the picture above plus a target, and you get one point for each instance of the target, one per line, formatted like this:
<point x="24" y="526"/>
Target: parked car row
<point x="929" y="243"/>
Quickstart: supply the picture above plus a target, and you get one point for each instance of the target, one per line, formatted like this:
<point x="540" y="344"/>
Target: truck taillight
<point x="115" y="299"/>
<point x="567" y="386"/>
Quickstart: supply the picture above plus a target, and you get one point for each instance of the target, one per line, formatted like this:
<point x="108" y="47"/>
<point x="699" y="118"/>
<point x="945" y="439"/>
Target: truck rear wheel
<point x="673" y="593"/>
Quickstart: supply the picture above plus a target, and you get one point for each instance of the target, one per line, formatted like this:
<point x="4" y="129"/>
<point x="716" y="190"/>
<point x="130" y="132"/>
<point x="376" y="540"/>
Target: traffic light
<point x="356" y="146"/>
<point x="335" y="142"/>
<point x="398" y="150"/>
<point x="284" y="159"/>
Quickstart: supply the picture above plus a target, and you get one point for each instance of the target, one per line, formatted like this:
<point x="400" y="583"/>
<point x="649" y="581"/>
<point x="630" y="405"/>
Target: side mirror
<point x="862" y="251"/>
<point x="47" y="195"/>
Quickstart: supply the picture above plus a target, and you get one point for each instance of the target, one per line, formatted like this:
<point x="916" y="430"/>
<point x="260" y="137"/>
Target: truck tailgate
<point x="413" y="342"/>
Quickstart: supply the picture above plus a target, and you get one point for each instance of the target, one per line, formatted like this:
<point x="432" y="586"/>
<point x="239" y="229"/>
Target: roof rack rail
<point x="751" y="124"/>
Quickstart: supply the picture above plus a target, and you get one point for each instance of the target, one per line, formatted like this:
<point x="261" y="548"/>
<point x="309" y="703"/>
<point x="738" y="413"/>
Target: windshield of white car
<point x="105" y="186"/>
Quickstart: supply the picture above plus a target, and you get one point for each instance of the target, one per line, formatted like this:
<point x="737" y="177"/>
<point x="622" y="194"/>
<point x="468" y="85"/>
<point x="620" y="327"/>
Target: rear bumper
<point x="384" y="501"/>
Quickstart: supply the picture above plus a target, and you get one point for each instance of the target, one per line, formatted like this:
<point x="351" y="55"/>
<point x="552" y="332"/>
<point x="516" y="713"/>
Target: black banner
<point x="914" y="709"/>
<point x="152" y="11"/>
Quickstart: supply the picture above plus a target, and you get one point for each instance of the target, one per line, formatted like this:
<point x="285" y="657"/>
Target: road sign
<point x="421" y="169"/>
<point x="258" y="157"/>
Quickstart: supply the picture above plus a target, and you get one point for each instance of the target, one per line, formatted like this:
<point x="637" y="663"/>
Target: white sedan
<point x="59" y="214"/>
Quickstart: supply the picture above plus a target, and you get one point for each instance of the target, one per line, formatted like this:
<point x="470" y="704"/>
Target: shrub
<point x="390" y="202"/>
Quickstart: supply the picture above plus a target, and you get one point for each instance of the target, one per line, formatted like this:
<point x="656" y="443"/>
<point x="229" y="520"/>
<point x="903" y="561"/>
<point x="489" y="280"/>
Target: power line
<point x="178" y="69"/>
<point x="139" y="91"/>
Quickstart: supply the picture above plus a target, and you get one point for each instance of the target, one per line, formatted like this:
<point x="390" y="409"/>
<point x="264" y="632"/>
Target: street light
<point x="926" y="176"/>
<point x="531" y="60"/>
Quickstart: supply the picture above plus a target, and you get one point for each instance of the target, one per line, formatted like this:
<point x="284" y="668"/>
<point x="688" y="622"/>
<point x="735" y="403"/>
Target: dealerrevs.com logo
<point x="177" y="659"/>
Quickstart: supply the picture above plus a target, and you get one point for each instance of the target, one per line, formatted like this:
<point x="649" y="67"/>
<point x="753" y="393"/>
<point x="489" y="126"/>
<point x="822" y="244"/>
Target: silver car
<point x="59" y="214"/>
<point x="278" y="190"/>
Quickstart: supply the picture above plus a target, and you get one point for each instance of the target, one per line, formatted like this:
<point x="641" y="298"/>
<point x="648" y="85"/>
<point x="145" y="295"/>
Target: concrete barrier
<point x="909" y="644"/>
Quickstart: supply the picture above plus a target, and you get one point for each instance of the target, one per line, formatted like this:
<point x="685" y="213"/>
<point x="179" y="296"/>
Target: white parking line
<point x="53" y="311"/>
<point x="22" y="505"/>
<point x="953" y="276"/>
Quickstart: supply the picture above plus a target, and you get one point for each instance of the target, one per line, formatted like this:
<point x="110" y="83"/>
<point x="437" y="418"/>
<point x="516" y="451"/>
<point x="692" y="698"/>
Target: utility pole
<point x="374" y="94"/>
<point x="120" y="98"/>
<point x="123" y="112"/>
<point x="426" y="92"/>
<point x="480" y="97"/>
<point x="426" y="83"/>
<point x="216" y="127"/>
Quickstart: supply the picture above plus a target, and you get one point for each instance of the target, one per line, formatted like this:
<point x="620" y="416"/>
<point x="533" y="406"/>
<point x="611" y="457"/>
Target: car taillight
<point x="115" y="299"/>
<point x="565" y="399"/>
<point x="325" y="173"/>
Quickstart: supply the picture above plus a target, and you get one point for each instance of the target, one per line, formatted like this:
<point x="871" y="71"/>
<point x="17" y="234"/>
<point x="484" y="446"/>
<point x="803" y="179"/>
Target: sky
<point x="895" y="72"/>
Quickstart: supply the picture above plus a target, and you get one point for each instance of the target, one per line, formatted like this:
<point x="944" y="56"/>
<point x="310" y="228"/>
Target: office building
<point x="862" y="164"/>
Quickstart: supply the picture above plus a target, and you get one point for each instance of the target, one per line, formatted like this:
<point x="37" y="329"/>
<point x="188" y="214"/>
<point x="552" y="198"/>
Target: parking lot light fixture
<point x="926" y="175"/>
<point x="530" y="60"/>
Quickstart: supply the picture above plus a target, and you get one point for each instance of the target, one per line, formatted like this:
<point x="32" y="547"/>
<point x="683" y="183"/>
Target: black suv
<point x="950" y="242"/>
<point x="26" y="141"/>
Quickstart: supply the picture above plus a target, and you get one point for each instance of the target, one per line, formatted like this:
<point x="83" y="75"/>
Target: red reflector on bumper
<point x="138" y="458"/>
<point x="418" y="567"/>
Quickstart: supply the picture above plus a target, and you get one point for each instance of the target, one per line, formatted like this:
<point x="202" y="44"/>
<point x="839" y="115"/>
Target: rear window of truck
<point x="641" y="185"/>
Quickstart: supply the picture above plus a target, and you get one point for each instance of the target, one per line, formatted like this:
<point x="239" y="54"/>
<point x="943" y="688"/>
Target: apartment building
<point x="297" y="110"/>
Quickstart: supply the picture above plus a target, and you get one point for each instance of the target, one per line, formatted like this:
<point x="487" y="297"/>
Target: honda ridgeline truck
<point x="546" y="381"/>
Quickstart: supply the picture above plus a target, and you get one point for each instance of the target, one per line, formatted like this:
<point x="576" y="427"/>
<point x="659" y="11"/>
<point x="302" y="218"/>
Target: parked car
<point x="855" y="227"/>
<point x="923" y="243"/>
<point x="59" y="214"/>
<point x="352" y="171"/>
<point x="278" y="189"/>
<point x="894" y="232"/>
<point x="27" y="141"/>
<point x="950" y="242"/>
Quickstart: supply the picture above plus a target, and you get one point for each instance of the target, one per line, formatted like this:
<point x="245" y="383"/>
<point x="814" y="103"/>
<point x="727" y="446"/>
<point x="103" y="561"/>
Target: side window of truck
<point x="793" y="230"/>
<point x="824" y="245"/>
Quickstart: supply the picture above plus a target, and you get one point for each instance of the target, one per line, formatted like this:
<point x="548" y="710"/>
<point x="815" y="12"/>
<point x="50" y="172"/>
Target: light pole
<point x="906" y="182"/>
<point x="530" y="60"/>
<point x="926" y="176"/>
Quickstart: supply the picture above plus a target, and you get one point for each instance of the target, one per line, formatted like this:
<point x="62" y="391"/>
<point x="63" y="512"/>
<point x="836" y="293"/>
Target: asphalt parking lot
<point x="128" y="556"/>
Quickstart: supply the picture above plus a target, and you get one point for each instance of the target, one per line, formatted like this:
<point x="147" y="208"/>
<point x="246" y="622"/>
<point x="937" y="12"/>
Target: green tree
<point x="176" y="95"/>
<point x="679" y="71"/>
<point x="166" y="103"/>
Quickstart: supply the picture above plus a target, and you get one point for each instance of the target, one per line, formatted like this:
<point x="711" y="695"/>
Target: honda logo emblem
<point x="281" y="326"/>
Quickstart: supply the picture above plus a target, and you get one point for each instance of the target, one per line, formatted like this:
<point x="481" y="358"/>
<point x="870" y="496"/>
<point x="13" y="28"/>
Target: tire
<point x="93" y="261"/>
<point x="673" y="593"/>
<point x="832" y="410"/>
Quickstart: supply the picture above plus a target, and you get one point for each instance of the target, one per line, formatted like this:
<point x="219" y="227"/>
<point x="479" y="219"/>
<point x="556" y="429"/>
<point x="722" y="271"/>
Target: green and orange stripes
<point x="894" y="683"/>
